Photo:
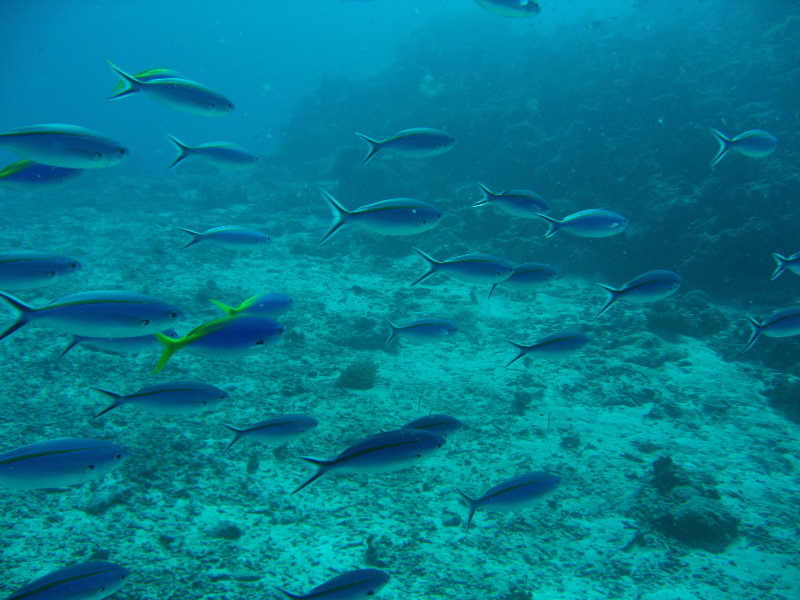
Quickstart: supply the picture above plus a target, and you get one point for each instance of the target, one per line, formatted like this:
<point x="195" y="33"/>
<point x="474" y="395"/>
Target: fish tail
<point x="433" y="266"/>
<point x="757" y="327"/>
<point x="24" y="313"/>
<point x="74" y="342"/>
<point x="488" y="195"/>
<point x="374" y="146"/>
<point x="196" y="236"/>
<point x="339" y="212"/>
<point x="322" y="468"/>
<point x="171" y="346"/>
<point x="237" y="433"/>
<point x="228" y="310"/>
<point x="117" y="398"/>
<point x="613" y="296"/>
<point x="522" y="351"/>
<point x="128" y="85"/>
<point x="553" y="225"/>
<point x="184" y="151"/>
<point x="781" y="265"/>
<point x="724" y="145"/>
<point x="392" y="333"/>
<point x="473" y="506"/>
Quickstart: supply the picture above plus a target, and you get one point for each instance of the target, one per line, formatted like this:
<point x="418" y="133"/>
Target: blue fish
<point x="395" y="217"/>
<point x="519" y="203"/>
<point x="227" y="338"/>
<point x="755" y="143"/>
<point x="92" y="580"/>
<point x="26" y="269"/>
<point x="61" y="145"/>
<point x="469" y="268"/>
<point x="442" y="425"/>
<point x="555" y="345"/>
<point x="278" y="430"/>
<point x="380" y="453"/>
<point x="518" y="9"/>
<point x="782" y="323"/>
<point x="58" y="463"/>
<point x="262" y="305"/>
<point x="792" y="263"/>
<point x="591" y="223"/>
<point x="515" y="493"/>
<point x="223" y="155"/>
<point x="647" y="287"/>
<point x="230" y="237"/>
<point x="419" y="142"/>
<point x="421" y="331"/>
<point x="528" y="276"/>
<point x="124" y="345"/>
<point x="171" y="398"/>
<point x="354" y="585"/>
<point x="105" y="313"/>
<point x="180" y="94"/>
<point x="28" y="176"/>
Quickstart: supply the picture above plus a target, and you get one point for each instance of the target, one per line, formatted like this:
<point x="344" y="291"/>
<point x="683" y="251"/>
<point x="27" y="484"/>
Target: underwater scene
<point x="443" y="299"/>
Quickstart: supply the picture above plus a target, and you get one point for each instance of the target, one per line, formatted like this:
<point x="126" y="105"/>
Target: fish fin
<point x="522" y="352"/>
<point x="196" y="236"/>
<point x="757" y="327"/>
<point x="553" y="224"/>
<point x="374" y="146"/>
<point x="130" y="84"/>
<point x="724" y="145"/>
<point x="24" y="313"/>
<point x="289" y="594"/>
<point x="117" y="398"/>
<point x="488" y="195"/>
<point x="237" y="433"/>
<point x="339" y="212"/>
<point x="613" y="296"/>
<point x="432" y="266"/>
<point x="392" y="333"/>
<point x="322" y="468"/>
<point x="171" y="346"/>
<point x="74" y="342"/>
<point x="228" y="310"/>
<point x="473" y="506"/>
<point x="780" y="267"/>
<point x="184" y="151"/>
<point x="491" y="290"/>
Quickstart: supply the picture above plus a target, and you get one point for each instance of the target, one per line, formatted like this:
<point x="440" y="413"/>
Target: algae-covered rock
<point x="700" y="523"/>
<point x="359" y="375"/>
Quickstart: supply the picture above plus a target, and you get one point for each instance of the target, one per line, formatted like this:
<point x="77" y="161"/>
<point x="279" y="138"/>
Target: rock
<point x="700" y="523"/>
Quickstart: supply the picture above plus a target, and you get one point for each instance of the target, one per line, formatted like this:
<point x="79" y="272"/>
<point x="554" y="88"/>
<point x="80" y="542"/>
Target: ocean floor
<point x="678" y="479"/>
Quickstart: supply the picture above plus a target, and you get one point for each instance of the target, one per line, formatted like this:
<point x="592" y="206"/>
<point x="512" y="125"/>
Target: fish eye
<point x="173" y="315"/>
<point x="118" y="455"/>
<point x="90" y="467"/>
<point x="259" y="343"/>
<point x="145" y="322"/>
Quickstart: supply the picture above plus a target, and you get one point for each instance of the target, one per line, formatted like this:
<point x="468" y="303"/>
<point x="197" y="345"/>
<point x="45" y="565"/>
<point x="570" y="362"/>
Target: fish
<point x="782" y="323"/>
<point x="442" y="425"/>
<point x="27" y="269"/>
<point x="518" y="203"/>
<point x="469" y="268"/>
<point x="755" y="143"/>
<point x="171" y="398"/>
<point x="58" y="463"/>
<point x="263" y="305"/>
<point x="354" y="585"/>
<point x="278" y="430"/>
<point x="591" y="223"/>
<point x="230" y="237"/>
<point x="177" y="93"/>
<point x="394" y="217"/>
<point x="518" y="9"/>
<point x="556" y="345"/>
<point x="227" y="338"/>
<point x="421" y="331"/>
<point x="102" y="313"/>
<point x="380" y="453"/>
<point x="62" y="145"/>
<point x="123" y="345"/>
<point x="513" y="494"/>
<point x="223" y="155"/>
<point x="792" y="263"/>
<point x="28" y="176"/>
<point x="91" y="580"/>
<point x="419" y="142"/>
<point x="528" y="276"/>
<point x="123" y="89"/>
<point x="647" y="287"/>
